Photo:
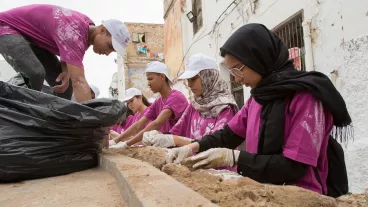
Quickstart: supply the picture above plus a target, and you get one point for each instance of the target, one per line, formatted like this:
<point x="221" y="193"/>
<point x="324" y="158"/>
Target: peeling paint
<point x="339" y="43"/>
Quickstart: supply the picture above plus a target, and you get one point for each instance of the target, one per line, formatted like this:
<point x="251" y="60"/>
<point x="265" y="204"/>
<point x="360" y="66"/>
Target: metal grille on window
<point x="237" y="91"/>
<point x="291" y="33"/>
<point x="197" y="11"/>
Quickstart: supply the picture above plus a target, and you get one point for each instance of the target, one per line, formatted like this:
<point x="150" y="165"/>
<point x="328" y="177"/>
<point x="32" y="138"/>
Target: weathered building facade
<point x="326" y="36"/>
<point x="146" y="45"/>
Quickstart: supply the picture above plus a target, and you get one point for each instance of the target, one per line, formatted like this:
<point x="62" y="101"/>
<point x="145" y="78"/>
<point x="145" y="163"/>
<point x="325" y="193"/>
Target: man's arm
<point x="154" y="125"/>
<point x="82" y="91"/>
<point x="133" y="129"/>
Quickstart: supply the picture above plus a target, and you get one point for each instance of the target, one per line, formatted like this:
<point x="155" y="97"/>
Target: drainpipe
<point x="309" y="61"/>
<point x="121" y="77"/>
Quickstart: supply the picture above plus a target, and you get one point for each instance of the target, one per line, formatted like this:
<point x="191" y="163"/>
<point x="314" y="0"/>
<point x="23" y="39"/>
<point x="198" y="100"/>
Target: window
<point x="236" y="88"/>
<point x="237" y="91"/>
<point x="291" y="33"/>
<point x="139" y="37"/>
<point x="197" y="12"/>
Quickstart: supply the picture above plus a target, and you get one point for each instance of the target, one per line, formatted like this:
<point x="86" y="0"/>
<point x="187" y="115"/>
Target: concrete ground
<point x="92" y="188"/>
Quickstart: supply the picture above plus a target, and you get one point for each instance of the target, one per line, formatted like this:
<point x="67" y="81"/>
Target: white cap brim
<point x="117" y="47"/>
<point x="188" y="74"/>
<point x="127" y="98"/>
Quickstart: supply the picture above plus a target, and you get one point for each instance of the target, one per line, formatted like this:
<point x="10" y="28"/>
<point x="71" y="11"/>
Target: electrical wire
<point x="200" y="37"/>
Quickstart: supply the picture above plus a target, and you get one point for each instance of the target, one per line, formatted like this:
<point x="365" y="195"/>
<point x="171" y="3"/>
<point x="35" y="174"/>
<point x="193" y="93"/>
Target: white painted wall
<point x="6" y="71"/>
<point x="339" y="33"/>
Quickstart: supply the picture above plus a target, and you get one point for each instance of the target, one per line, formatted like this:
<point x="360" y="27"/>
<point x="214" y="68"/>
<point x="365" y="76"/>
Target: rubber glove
<point x="177" y="155"/>
<point x="113" y="134"/>
<point x="214" y="158"/>
<point x="165" y="140"/>
<point x="112" y="142"/>
<point x="148" y="136"/>
<point x="120" y="145"/>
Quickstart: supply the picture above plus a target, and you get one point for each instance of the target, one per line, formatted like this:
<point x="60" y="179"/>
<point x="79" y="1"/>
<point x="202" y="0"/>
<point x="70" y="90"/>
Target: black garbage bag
<point x="42" y="135"/>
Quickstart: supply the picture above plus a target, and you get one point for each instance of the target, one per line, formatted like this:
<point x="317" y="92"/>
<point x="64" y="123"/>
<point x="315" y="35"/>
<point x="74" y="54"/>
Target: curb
<point x="143" y="185"/>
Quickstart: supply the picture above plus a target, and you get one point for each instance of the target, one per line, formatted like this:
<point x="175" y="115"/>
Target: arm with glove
<point x="157" y="139"/>
<point x="216" y="151"/>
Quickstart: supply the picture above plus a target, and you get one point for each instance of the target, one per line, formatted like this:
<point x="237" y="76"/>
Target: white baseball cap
<point x="130" y="93"/>
<point x="95" y="90"/>
<point x="196" y="63"/>
<point x="158" y="67"/>
<point x="119" y="34"/>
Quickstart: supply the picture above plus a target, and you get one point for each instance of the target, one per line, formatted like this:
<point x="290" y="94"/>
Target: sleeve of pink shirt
<point x="238" y="124"/>
<point x="128" y="122"/>
<point x="180" y="127"/>
<point x="150" y="112"/>
<point x="309" y="124"/>
<point x="177" y="103"/>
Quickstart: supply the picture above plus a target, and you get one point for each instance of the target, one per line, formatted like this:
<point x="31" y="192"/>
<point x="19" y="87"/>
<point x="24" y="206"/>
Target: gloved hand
<point x="214" y="158"/>
<point x="159" y="140"/>
<point x="120" y="145"/>
<point x="148" y="136"/>
<point x="112" y="142"/>
<point x="177" y="155"/>
<point x="113" y="134"/>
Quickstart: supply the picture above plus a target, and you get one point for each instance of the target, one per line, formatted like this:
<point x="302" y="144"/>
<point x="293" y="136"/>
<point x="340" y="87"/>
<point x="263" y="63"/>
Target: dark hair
<point x="127" y="113"/>
<point x="144" y="100"/>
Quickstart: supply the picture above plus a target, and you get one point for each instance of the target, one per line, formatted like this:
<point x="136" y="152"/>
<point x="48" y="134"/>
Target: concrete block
<point x="143" y="185"/>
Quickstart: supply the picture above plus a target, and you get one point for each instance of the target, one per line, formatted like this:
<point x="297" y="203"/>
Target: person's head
<point x="252" y="53"/>
<point x="112" y="36"/>
<point x="157" y="75"/>
<point x="196" y="69"/>
<point x="94" y="91"/>
<point x="135" y="99"/>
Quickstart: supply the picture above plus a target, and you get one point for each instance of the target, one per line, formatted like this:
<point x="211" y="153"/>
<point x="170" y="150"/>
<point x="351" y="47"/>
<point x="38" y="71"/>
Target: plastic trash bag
<point x="42" y="135"/>
<point x="19" y="80"/>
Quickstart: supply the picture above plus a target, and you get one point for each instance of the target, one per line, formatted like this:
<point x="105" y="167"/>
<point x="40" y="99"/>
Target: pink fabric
<point x="307" y="129"/>
<point x="175" y="101"/>
<point x="193" y="125"/>
<point x="59" y="30"/>
<point x="119" y="128"/>
<point x="130" y="120"/>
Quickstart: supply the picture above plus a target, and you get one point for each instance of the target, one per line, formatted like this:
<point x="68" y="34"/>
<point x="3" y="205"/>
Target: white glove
<point x="148" y="136"/>
<point x="112" y="142"/>
<point x="177" y="155"/>
<point x="113" y="134"/>
<point x="160" y="140"/>
<point x="120" y="145"/>
<point x="214" y="158"/>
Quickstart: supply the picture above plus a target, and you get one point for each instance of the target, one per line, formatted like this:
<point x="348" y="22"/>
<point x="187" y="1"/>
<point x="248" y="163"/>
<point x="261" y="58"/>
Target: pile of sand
<point x="243" y="191"/>
<point x="153" y="155"/>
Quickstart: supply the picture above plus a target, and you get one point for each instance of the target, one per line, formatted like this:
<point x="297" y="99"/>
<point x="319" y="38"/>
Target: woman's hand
<point x="214" y="158"/>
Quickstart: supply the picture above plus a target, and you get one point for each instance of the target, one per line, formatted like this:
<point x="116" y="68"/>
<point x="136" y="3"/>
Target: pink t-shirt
<point x="307" y="129"/>
<point x="61" y="31"/>
<point x="193" y="125"/>
<point x="130" y="120"/>
<point x="175" y="101"/>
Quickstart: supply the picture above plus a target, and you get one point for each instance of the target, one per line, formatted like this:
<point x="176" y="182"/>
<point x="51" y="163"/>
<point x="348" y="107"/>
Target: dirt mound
<point x="243" y="192"/>
<point x="153" y="155"/>
<point x="354" y="200"/>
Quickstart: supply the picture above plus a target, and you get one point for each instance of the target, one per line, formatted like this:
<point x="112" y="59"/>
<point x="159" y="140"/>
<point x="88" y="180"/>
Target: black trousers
<point x="33" y="63"/>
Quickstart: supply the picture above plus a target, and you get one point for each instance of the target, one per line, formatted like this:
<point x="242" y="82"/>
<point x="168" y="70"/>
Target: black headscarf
<point x="262" y="51"/>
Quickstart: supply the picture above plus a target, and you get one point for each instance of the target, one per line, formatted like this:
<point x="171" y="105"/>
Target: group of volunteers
<point x="286" y="123"/>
